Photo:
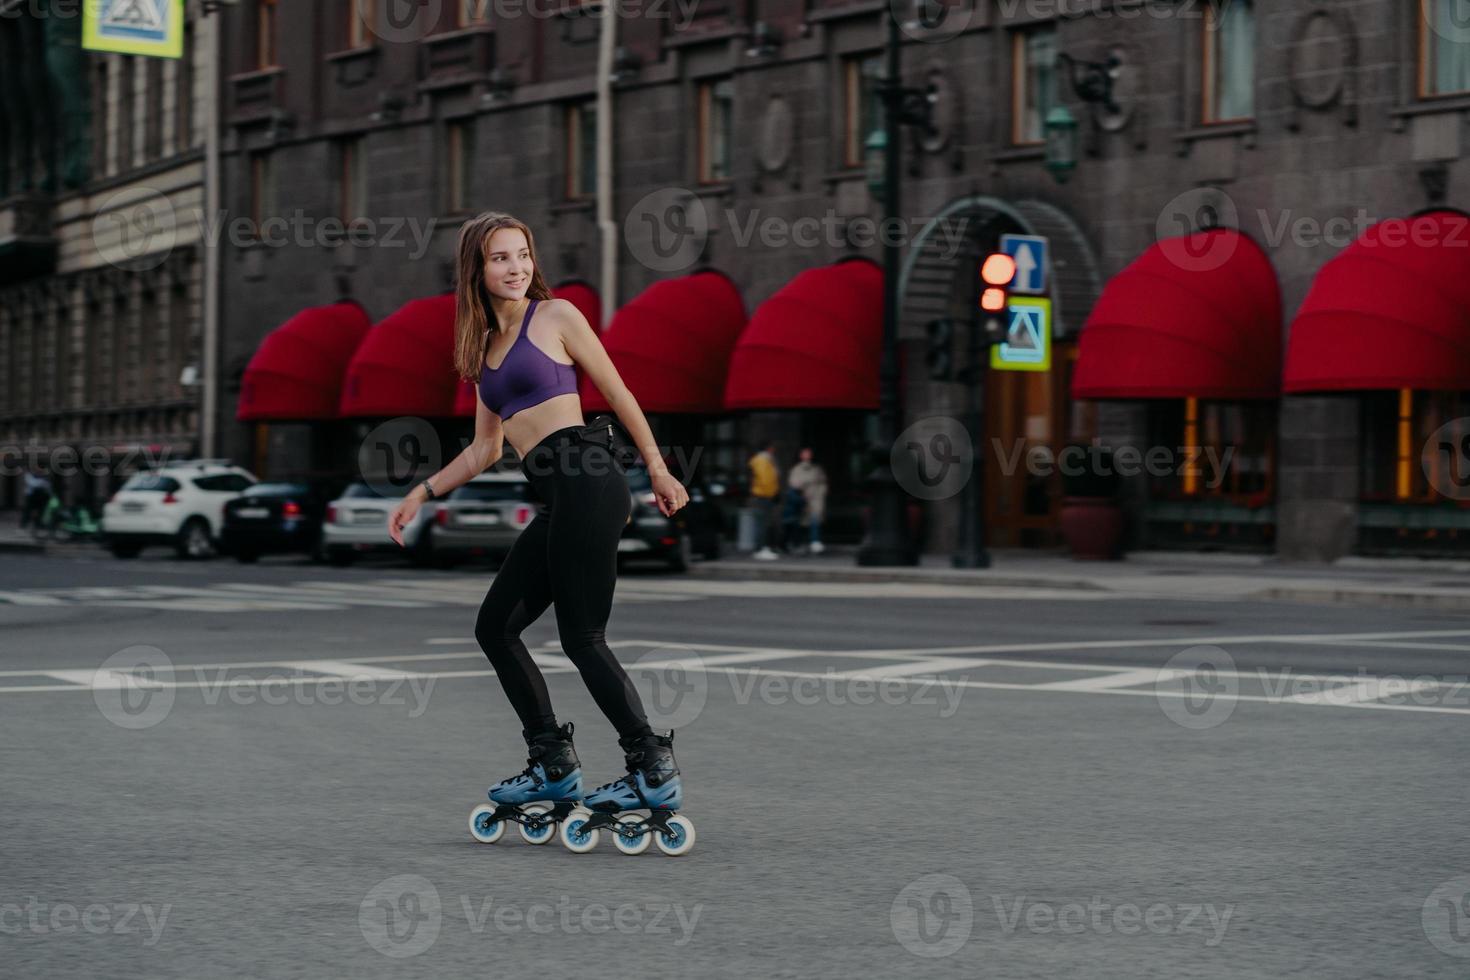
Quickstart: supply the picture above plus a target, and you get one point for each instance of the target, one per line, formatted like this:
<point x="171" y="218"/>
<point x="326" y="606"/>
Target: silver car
<point x="357" y="522"/>
<point x="482" y="517"/>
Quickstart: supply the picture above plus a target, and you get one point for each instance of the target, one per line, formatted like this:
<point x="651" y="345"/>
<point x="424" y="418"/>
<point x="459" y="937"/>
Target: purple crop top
<point x="527" y="376"/>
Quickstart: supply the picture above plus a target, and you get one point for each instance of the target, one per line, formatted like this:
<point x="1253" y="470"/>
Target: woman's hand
<point x="669" y="493"/>
<point x="402" y="516"/>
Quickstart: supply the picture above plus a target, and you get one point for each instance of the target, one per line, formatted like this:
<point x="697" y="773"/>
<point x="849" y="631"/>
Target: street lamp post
<point x="888" y="541"/>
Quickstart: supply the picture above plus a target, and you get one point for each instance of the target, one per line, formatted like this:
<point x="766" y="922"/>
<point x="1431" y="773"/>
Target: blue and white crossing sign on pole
<point x="1027" y="346"/>
<point x="1033" y="260"/>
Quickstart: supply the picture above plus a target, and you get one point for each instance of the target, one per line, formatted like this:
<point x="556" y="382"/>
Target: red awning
<point x="816" y="343"/>
<point x="1392" y="310"/>
<point x="671" y="344"/>
<point x="296" y="372"/>
<point x="405" y="365"/>
<point x="574" y="291"/>
<point x="1194" y="316"/>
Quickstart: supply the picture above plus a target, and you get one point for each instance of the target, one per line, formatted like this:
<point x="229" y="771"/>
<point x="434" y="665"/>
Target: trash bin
<point x="748" y="530"/>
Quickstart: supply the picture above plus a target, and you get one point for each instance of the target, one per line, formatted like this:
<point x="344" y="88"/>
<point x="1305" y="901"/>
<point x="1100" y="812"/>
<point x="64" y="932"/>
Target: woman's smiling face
<point x="508" y="264"/>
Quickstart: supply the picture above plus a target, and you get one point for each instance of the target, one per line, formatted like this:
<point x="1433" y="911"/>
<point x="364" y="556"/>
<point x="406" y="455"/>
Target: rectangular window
<point x="181" y="330"/>
<point x="351" y="185"/>
<point x="1033" y="84"/>
<point x="471" y="12"/>
<point x="59" y="360"/>
<point x="184" y="107"/>
<point x="1444" y="47"/>
<point x="99" y="119"/>
<point x="125" y="117"/>
<point x="1229" y="62"/>
<point x="265" y="34"/>
<point x="458" y="163"/>
<point x="262" y="190"/>
<point x="1223" y="450"/>
<point x="582" y="150"/>
<point x="716" y="119"/>
<point x="1409" y="456"/>
<point x="359" y="24"/>
<point x="862" y="106"/>
<point x="153" y="119"/>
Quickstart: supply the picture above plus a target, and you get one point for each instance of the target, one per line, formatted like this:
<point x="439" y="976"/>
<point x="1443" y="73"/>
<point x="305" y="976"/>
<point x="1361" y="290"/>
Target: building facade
<point x="355" y="142"/>
<point x="101" y="254"/>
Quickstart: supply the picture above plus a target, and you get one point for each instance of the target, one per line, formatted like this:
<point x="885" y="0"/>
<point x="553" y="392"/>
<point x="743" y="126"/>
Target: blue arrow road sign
<point x="1033" y="257"/>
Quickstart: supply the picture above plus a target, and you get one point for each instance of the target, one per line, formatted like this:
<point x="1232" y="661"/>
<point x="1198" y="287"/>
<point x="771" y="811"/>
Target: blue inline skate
<point x="652" y="784"/>
<point x="540" y="797"/>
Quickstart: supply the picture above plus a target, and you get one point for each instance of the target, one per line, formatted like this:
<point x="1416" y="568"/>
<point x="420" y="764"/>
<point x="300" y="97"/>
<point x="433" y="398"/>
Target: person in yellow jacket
<point x="765" y="490"/>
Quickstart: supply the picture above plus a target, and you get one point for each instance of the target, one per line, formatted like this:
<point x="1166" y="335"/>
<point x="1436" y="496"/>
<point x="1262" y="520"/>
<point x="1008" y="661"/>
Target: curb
<point x="922" y="576"/>
<point x="1361" y="597"/>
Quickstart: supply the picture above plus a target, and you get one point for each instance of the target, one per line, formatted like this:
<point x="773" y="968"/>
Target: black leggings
<point x="568" y="554"/>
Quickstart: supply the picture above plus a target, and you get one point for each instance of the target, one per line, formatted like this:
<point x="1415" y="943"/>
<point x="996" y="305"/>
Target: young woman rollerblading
<point x="522" y="346"/>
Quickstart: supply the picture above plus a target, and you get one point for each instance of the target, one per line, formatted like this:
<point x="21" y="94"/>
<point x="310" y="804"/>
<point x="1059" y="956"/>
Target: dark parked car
<point x="274" y="518"/>
<point x="650" y="536"/>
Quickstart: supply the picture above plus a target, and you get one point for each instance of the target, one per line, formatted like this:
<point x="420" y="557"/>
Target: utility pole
<point x="888" y="541"/>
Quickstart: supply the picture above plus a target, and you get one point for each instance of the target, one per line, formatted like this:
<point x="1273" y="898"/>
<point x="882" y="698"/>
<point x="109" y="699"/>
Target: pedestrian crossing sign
<point x="1027" y="345"/>
<point x="146" y="27"/>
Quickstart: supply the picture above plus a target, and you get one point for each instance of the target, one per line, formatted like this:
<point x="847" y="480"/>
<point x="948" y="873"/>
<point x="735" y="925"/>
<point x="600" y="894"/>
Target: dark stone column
<point x="1317" y="478"/>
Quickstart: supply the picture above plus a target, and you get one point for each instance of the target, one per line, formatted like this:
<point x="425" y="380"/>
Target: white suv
<point x="181" y="504"/>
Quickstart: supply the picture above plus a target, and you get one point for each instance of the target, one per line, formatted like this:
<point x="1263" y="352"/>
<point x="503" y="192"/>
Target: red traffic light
<point x="999" y="269"/>
<point x="993" y="300"/>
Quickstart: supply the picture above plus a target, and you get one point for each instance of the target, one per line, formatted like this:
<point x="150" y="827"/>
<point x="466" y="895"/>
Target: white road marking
<point x="310" y="593"/>
<point x="1138" y="681"/>
<point x="1364" y="689"/>
<point x="1310" y="639"/>
<point x="1402" y="645"/>
<point x="106" y="680"/>
<point x="1127" y="678"/>
<point x="911" y="668"/>
<point x="339" y="668"/>
<point x="18" y="597"/>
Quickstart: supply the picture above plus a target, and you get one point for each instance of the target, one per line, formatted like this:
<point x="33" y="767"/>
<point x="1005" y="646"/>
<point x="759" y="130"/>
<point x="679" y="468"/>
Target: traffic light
<point x="940" y="354"/>
<point x="996" y="274"/>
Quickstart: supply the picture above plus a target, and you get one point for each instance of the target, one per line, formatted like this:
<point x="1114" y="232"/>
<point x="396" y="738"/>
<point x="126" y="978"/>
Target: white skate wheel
<point x="632" y="841"/>
<point x="482" y="828"/>
<point x="678" y="840"/>
<point x="577" y="840"/>
<point x="542" y="834"/>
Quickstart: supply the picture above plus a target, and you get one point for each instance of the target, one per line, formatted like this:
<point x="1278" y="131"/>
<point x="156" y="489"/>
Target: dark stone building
<point x="1300" y="123"/>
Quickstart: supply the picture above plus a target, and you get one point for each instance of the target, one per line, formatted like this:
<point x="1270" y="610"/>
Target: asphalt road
<point x="272" y="771"/>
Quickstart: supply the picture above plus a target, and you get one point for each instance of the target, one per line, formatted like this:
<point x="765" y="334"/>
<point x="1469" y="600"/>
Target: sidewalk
<point x="1441" y="585"/>
<point x="13" y="539"/>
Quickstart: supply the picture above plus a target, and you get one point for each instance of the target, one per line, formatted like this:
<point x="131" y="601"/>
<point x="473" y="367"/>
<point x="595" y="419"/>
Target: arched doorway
<point x="1023" y="409"/>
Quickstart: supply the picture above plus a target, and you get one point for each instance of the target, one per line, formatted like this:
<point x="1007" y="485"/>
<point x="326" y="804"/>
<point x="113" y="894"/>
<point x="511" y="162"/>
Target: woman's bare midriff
<point x="529" y="426"/>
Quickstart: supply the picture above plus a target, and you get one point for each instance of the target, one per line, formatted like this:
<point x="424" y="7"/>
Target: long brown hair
<point x="473" y="320"/>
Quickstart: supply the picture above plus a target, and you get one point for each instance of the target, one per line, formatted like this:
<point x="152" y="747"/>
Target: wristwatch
<point x="429" y="489"/>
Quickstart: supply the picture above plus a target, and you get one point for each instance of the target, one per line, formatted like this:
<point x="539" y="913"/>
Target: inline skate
<point x="538" y="798"/>
<point x="652" y="784"/>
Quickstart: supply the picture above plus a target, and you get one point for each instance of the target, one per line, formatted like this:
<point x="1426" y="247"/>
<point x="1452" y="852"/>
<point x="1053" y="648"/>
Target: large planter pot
<point x="1093" y="527"/>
